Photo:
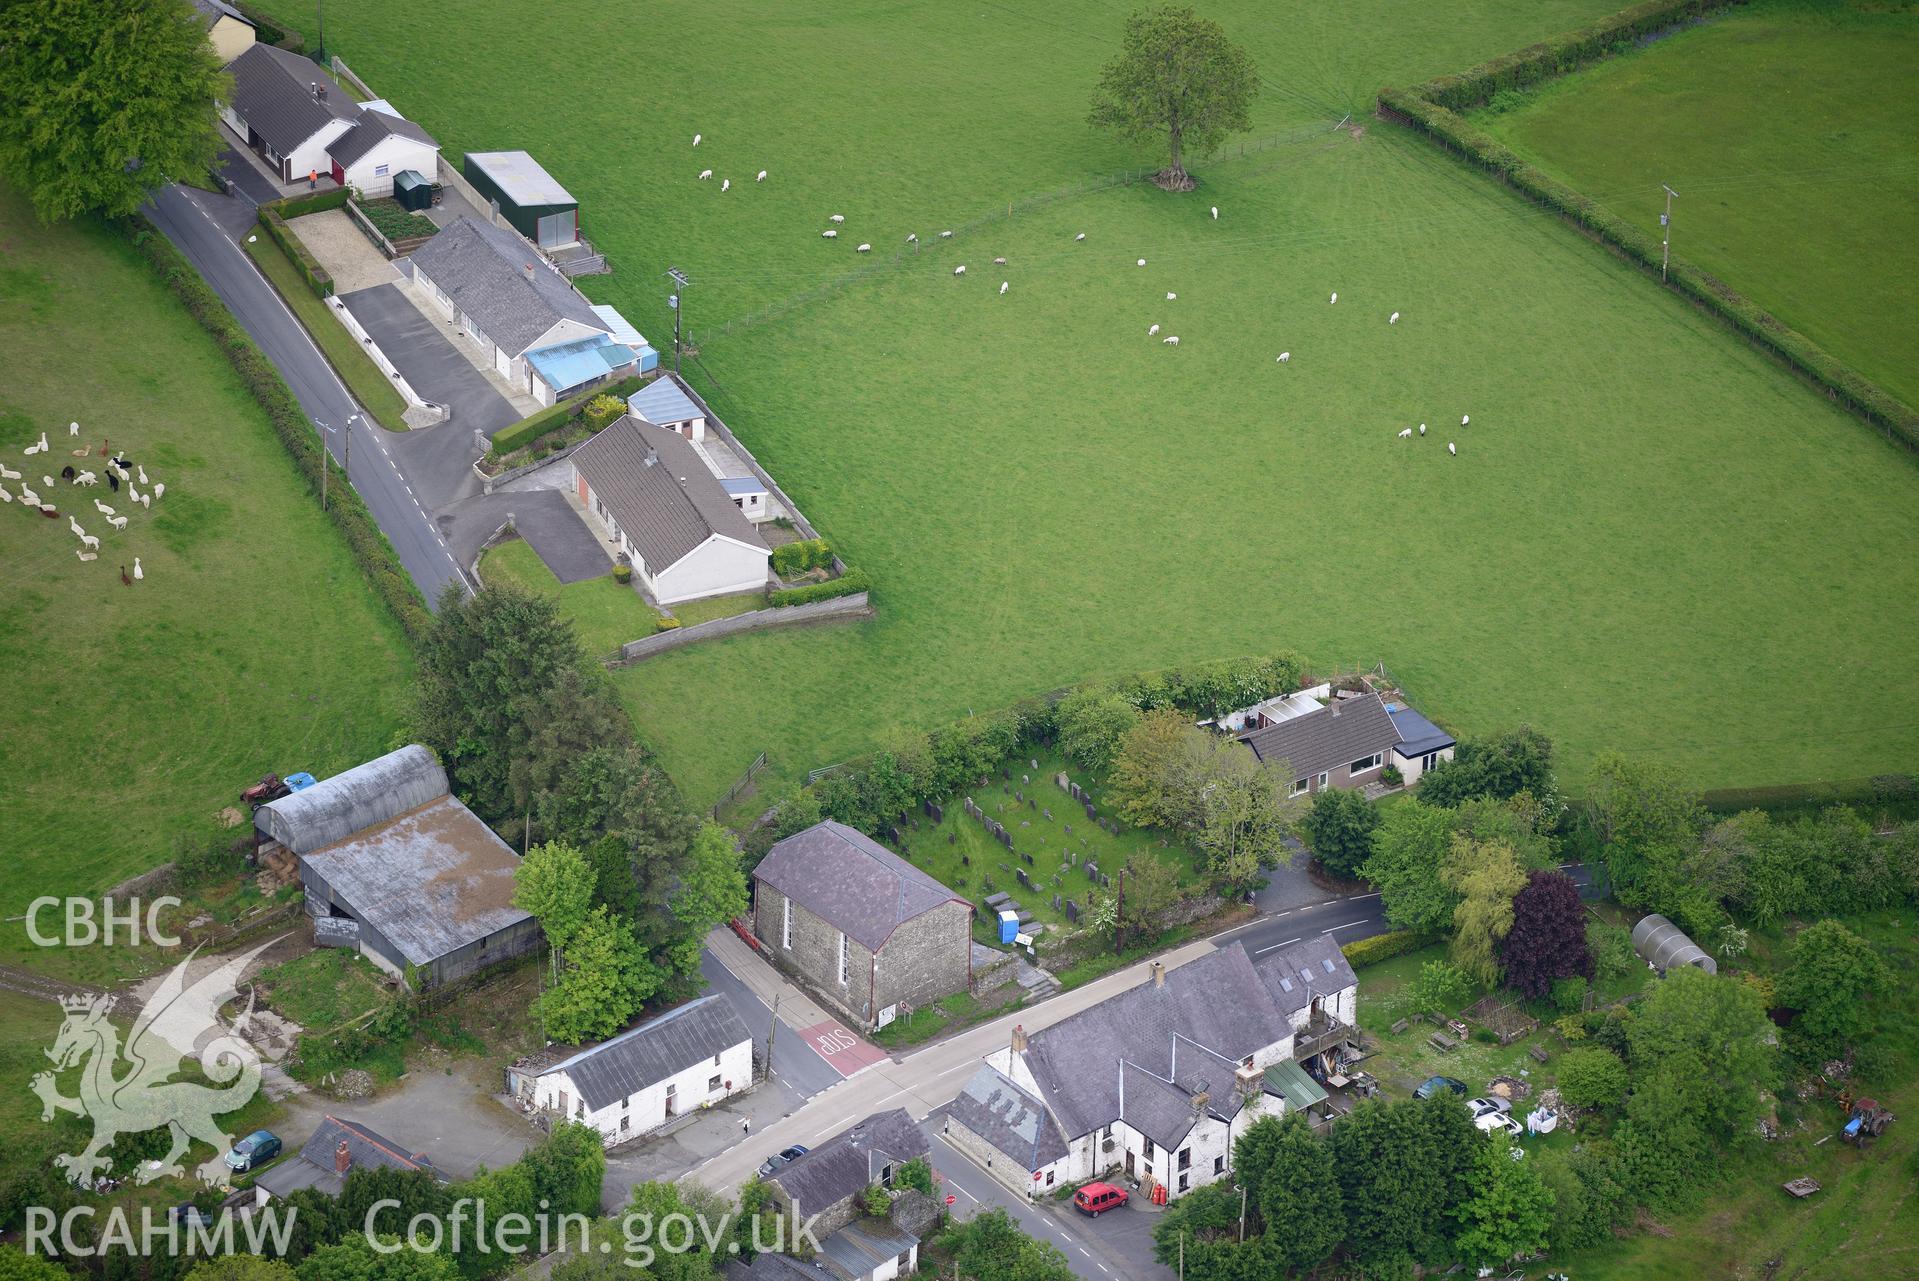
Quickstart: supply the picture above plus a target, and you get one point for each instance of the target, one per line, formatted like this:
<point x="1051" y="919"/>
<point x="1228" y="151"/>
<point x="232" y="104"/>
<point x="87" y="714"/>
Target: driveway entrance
<point x="427" y="359"/>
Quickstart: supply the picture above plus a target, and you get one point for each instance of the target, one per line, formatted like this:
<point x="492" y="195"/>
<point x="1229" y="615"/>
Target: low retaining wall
<point x="372" y="349"/>
<point x="819" y="611"/>
<point x="490" y="483"/>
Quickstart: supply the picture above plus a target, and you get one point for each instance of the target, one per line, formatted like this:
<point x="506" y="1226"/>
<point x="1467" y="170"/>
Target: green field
<point x="1652" y="538"/>
<point x="252" y="645"/>
<point x="1791" y="132"/>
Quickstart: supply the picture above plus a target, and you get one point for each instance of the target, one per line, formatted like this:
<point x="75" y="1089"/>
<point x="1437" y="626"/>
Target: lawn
<point x="606" y="614"/>
<point x="1046" y="824"/>
<point x="370" y="387"/>
<point x="252" y="645"/>
<point x="1791" y="132"/>
<point x="1651" y="538"/>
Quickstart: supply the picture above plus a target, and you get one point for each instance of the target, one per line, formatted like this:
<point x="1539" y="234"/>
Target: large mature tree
<point x="603" y="982"/>
<point x="1498" y="768"/>
<point x="1547" y="940"/>
<point x="1486" y="875"/>
<point x="712" y="892"/>
<point x="1339" y="828"/>
<point x="1713" y="1039"/>
<point x="1401" y="1171"/>
<point x="555" y="883"/>
<point x="1300" y="1197"/>
<point x="1409" y="855"/>
<point x="990" y="1246"/>
<point x="577" y="715"/>
<point x="1647" y="816"/>
<point x="1151" y="785"/>
<point x="1091" y="723"/>
<point x="1244" y="812"/>
<point x="355" y="1259"/>
<point x="1441" y="988"/>
<point x="102" y="101"/>
<point x="1508" y="1210"/>
<point x="1831" y="980"/>
<point x="1177" y="78"/>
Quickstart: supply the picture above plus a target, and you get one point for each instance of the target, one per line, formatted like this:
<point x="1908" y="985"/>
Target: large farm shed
<point x="538" y="207"/>
<point x="394" y="865"/>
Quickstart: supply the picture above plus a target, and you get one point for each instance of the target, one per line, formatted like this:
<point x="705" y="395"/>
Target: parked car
<point x="190" y="1215"/>
<point x="1492" y="1103"/>
<point x="254" y="1151"/>
<point x="1491" y="1121"/>
<point x="1097" y="1198"/>
<point x="1433" y="1086"/>
<point x="786" y="1156"/>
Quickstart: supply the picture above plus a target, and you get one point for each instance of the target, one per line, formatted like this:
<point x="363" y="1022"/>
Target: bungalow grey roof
<point x="495" y="276"/>
<point x="335" y="808"/>
<point x="1337" y="734"/>
<point x="659" y="491"/>
<point x="851" y="882"/>
<point x="1294" y="975"/>
<point x="315" y="1165"/>
<point x="618" y="1068"/>
<point x="1209" y="1015"/>
<point x="663" y="402"/>
<point x="375" y="127"/>
<point x="858" y="1249"/>
<point x="273" y="91"/>
<point x="1009" y="1118"/>
<point x="1417" y="735"/>
<point x="431" y="880"/>
<point x="851" y="1160"/>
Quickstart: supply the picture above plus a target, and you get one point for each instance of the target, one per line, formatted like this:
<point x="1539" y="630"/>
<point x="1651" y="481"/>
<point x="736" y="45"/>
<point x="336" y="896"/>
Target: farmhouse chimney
<point x="1019" y="1039"/>
<point x="341" y="1158"/>
<point x="1159" y="974"/>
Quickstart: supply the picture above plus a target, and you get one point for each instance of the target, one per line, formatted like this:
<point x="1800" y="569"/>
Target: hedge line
<point x="1841" y="382"/>
<point x="1380" y="947"/>
<point x="553" y="417"/>
<point x="853" y="580"/>
<point x="369" y="546"/>
<point x="1895" y="794"/>
<point x="799" y="557"/>
<point x="317" y="277"/>
<point x="1562" y="53"/>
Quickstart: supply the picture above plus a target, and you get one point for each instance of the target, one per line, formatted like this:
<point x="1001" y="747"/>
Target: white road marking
<point x="1347" y="926"/>
<point x="1274" y="948"/>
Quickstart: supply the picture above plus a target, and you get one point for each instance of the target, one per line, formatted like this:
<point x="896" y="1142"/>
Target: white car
<point x="1490" y="1121"/>
<point x="1480" y="1107"/>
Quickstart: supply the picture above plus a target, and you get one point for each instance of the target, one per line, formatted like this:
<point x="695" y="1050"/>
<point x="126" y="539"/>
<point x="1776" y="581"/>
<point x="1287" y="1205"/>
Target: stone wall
<point x="814" y="954"/>
<point x="927" y="958"/>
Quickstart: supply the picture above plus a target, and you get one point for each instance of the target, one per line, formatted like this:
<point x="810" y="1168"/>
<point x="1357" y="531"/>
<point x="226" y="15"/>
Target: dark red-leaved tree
<point x="1548" y="937"/>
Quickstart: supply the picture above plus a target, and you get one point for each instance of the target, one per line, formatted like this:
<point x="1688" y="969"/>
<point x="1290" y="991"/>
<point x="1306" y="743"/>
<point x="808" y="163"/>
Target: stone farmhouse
<point x="863" y="928"/>
<point x="1160" y="1081"/>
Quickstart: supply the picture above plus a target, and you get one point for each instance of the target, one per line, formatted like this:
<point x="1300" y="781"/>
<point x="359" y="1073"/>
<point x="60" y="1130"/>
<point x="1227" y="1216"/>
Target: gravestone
<point x="894" y="834"/>
<point x="1033" y="763"/>
<point x="952" y="838"/>
<point x="1072" y="911"/>
<point x="1065" y="783"/>
<point x="1020" y="872"/>
<point x="1029" y="859"/>
<point x="1092" y="870"/>
<point x="1019" y="795"/>
<point x="1025" y="778"/>
<point x="1056" y="902"/>
<point x="1069" y="827"/>
<point x="1024" y="823"/>
<point x="1092" y="813"/>
<point x="965" y="861"/>
<point x="1105" y="881"/>
<point x="1049" y="815"/>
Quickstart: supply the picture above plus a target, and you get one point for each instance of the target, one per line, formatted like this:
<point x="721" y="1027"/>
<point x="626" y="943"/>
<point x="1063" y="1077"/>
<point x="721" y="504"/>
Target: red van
<point x="1097" y="1198"/>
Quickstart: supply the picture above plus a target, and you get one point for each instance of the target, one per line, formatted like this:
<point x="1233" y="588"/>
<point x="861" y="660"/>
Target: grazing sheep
<point x="1464" y="419"/>
<point x="74" y="525"/>
<point x="1171" y="341"/>
<point x="762" y="176"/>
<point x="146" y="502"/>
<point x="133" y="495"/>
<point x="1081" y="236"/>
<point x="696" y="140"/>
<point x="829" y="234"/>
<point x="864" y="249"/>
<point x="1284" y="357"/>
<point x="1172" y="297"/>
<point x="159" y="489"/>
<point x="1002" y="286"/>
<point x="946" y="235"/>
<point x="705" y="174"/>
<point x="726" y="184"/>
<point x="7" y="473"/>
<point x="137" y="571"/>
<point x="1215" y="213"/>
<point x="91" y="543"/>
<point x="1452" y="448"/>
<point x="836" y="218"/>
<point x="29" y="497"/>
<point x="143" y="474"/>
<point x="1142" y="262"/>
<point x="1405" y="433"/>
<point x="86" y="478"/>
<point x="912" y="237"/>
<point x="1335" y="297"/>
<point x="102" y="508"/>
<point x="999" y="262"/>
<point x="118" y="522"/>
<point x="960" y="270"/>
<point x="5" y="497"/>
<point x="1422" y="429"/>
<point x="48" y="482"/>
<point x="73" y="429"/>
<point x="1152" y="331"/>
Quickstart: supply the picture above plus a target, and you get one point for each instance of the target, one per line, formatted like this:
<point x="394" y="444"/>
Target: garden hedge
<point x="317" y="277"/>
<point x="853" y="580"/>
<point x="801" y="556"/>
<point x="554" y="417"/>
<point x="1380" y="947"/>
<point x="1430" y="109"/>
<point x="369" y="546"/>
<point x="1894" y="794"/>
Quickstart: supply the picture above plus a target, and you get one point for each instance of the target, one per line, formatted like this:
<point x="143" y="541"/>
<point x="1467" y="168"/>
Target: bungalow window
<point x="381" y="171"/>
<point x="842" y="958"/>
<point x="1324" y="776"/>
<point x="786" y="924"/>
<point x="1299" y="785"/>
<point x="1364" y="763"/>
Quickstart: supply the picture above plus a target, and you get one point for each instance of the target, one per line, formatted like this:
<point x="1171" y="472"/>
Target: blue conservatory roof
<point x="566" y="365"/>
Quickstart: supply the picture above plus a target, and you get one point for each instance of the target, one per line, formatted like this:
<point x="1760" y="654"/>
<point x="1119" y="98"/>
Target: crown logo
<point x="85" y="1002"/>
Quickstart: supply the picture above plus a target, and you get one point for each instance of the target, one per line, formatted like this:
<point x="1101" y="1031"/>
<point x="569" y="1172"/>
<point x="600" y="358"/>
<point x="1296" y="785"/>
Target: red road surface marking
<point x="846" y="1053"/>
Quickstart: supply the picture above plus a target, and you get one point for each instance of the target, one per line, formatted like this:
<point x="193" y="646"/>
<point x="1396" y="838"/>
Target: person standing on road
<point x="746" y="1126"/>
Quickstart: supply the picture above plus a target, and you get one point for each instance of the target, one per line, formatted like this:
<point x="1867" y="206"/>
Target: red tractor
<point x="267" y="789"/>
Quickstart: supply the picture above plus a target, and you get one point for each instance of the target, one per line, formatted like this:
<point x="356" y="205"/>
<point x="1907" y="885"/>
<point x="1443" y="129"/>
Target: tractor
<point x="1868" y="1121"/>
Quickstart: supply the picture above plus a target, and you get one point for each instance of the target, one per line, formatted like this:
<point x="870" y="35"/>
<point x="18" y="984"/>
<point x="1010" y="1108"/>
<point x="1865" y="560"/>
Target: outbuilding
<point x="1664" y="945"/>
<point x="529" y="199"/>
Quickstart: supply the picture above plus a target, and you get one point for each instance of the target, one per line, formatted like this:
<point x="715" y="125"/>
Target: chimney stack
<point x="341" y="1158"/>
<point x="1019" y="1039"/>
<point x="1159" y="974"/>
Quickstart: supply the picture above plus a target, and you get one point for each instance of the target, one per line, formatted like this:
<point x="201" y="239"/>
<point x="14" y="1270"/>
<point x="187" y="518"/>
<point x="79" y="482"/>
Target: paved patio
<point x="337" y="244"/>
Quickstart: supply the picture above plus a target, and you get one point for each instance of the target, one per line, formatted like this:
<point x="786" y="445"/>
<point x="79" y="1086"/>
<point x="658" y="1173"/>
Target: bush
<point x="622" y="574"/>
<point x="394" y="222"/>
<point x="669" y="624"/>
<point x="1592" y="1078"/>
<point x="1391" y="776"/>
<point x="374" y="554"/>
<point x="1897" y="795"/>
<point x="852" y="581"/>
<point x="1569" y="994"/>
<point x="209" y="857"/>
<point x="799" y="557"/>
<point x="554" y="417"/>
<point x="602" y="411"/>
<point x="1381" y="947"/>
<point x="318" y="202"/>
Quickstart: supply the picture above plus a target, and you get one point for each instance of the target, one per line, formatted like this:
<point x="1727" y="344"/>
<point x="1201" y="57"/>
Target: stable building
<point x="632" y="1084"/>
<point x="394" y="866"/>
<point x="529" y="198"/>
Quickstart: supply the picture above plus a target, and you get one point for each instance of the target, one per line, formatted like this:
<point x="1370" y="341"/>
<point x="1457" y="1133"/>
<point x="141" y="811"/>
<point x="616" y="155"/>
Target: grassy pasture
<point x="1791" y="132"/>
<point x="253" y="643"/>
<point x="1651" y="539"/>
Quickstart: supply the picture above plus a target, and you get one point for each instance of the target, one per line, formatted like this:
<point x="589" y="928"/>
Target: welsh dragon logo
<point x="168" y="1029"/>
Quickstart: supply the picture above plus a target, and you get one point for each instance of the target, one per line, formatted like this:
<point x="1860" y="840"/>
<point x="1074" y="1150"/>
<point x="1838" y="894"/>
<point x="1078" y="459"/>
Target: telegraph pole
<point x="1665" y="225"/>
<point x="677" y="301"/>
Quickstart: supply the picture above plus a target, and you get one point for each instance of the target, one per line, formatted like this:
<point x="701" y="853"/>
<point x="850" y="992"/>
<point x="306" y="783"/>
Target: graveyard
<point x="1055" y="847"/>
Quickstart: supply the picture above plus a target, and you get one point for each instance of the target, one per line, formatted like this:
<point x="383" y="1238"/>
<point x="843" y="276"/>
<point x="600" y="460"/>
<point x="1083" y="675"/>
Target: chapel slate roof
<point x="374" y="128"/>
<point x="624" y="1065"/>
<point x="484" y="269"/>
<point x="273" y="93"/>
<point x="1210" y="1013"/>
<point x="1337" y="734"/>
<point x="354" y="800"/>
<point x="1007" y="1117"/>
<point x="1295" y="974"/>
<point x="851" y="882"/>
<point x="851" y="1160"/>
<point x="659" y="491"/>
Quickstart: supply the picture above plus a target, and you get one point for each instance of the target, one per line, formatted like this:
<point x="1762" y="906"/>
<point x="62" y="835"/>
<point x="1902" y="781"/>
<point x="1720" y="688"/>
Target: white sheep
<point x="146" y="502"/>
<point x="118" y="522"/>
<point x="1393" y="319"/>
<point x="86" y="478"/>
<point x="1452" y="448"/>
<point x="705" y="174"/>
<point x="1172" y="297"/>
<point x="160" y="489"/>
<point x="761" y="177"/>
<point x="1171" y="340"/>
<point x="1142" y="262"/>
<point x="1464" y="419"/>
<point x="7" y="473"/>
<point x="1152" y="331"/>
<point x="143" y="473"/>
<point x="1003" y="284"/>
<point x="1405" y="433"/>
<point x="74" y="525"/>
<point x="999" y="262"/>
<point x="864" y="249"/>
<point x="73" y="429"/>
<point x="1422" y="429"/>
<point x="5" y="497"/>
<point x="1284" y="357"/>
<point x="1335" y="297"/>
<point x="84" y="554"/>
<point x="1215" y="213"/>
<point x="30" y="451"/>
<point x="837" y="218"/>
<point x="133" y="495"/>
<point x="1081" y="236"/>
<point x="91" y="543"/>
<point x="696" y="140"/>
<point x="946" y="235"/>
<point x="102" y="508"/>
<point x="829" y="234"/>
<point x="137" y="571"/>
<point x="960" y="270"/>
<point x="28" y="497"/>
<point x="912" y="237"/>
<point x="48" y="482"/>
<point x="726" y="184"/>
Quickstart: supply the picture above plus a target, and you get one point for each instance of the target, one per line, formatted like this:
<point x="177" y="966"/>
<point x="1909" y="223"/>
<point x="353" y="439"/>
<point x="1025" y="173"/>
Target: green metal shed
<point x="531" y="201"/>
<point x="411" y="190"/>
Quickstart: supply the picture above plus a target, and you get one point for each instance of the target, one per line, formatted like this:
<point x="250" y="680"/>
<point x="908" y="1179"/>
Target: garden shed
<point x="412" y="191"/>
<point x="1665" y="945"/>
<point x="530" y="200"/>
